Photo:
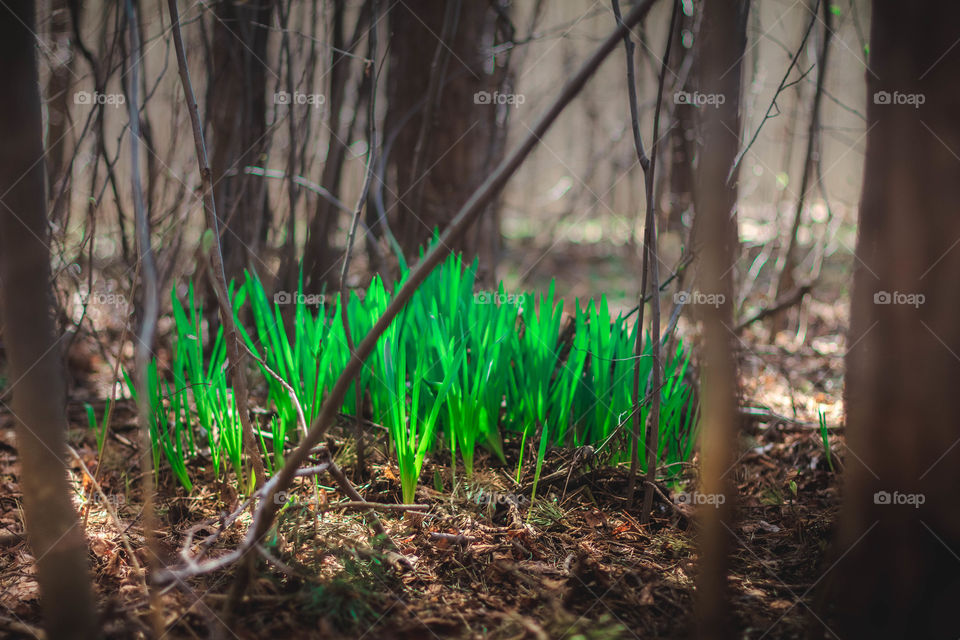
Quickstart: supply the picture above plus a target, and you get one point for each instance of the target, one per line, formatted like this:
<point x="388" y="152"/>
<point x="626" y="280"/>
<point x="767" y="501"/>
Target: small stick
<point x="383" y="506"/>
<point x="279" y="564"/>
<point x="667" y="500"/>
<point x="345" y="486"/>
<point x="765" y="415"/>
<point x="301" y="420"/>
<point x="773" y="110"/>
<point x="676" y="273"/>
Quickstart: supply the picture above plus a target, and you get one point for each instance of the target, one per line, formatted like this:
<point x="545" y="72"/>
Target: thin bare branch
<point x="143" y="348"/>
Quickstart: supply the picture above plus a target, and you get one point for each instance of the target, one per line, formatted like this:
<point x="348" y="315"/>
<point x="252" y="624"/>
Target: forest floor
<point x="483" y="562"/>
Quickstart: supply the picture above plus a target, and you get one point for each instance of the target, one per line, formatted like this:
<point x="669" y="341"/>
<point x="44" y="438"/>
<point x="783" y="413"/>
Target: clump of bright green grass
<point x="457" y="368"/>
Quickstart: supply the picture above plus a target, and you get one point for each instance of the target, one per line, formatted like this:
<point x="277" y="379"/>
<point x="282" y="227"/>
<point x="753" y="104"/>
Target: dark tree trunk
<point x="35" y="366"/>
<point x="237" y="108"/>
<point x="897" y="573"/>
<point x="433" y="173"/>
<point x="722" y="42"/>
<point x="320" y="257"/>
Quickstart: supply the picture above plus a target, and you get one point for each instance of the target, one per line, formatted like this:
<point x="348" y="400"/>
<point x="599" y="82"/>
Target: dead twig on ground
<point x="363" y="504"/>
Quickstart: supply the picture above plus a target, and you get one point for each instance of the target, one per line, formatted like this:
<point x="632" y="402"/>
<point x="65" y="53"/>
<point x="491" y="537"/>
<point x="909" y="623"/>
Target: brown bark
<point x="237" y="110"/>
<point x="897" y="573"/>
<point x="35" y="367"/>
<point x="722" y="44"/>
<point x="464" y="137"/>
<point x="320" y="256"/>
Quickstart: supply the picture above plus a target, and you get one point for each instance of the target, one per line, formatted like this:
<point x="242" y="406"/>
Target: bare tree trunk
<point x="456" y="133"/>
<point x="299" y="132"/>
<point x="34" y="361"/>
<point x="897" y="573"/>
<point x="319" y="256"/>
<point x="723" y="41"/>
<point x="237" y="110"/>
<point x="787" y="281"/>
